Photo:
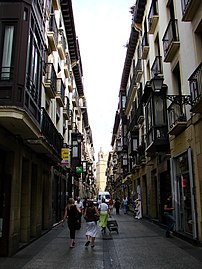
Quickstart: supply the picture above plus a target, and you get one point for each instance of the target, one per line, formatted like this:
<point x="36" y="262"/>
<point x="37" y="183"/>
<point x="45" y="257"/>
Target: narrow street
<point x="139" y="244"/>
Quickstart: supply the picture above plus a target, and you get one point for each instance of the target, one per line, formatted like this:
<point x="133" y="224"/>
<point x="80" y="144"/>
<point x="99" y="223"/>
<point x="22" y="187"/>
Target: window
<point x="149" y="123"/>
<point x="7" y="53"/>
<point x="75" y="152"/>
<point x="34" y="63"/>
<point x="159" y="111"/>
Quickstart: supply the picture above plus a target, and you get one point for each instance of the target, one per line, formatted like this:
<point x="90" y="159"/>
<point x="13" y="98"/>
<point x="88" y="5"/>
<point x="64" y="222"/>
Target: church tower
<point x="101" y="167"/>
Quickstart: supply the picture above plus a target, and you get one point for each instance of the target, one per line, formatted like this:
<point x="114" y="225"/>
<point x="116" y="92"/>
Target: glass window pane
<point x="159" y="110"/>
<point x="75" y="152"/>
<point x="7" y="52"/>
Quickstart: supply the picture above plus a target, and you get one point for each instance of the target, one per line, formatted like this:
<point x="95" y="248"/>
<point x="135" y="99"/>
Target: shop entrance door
<point x="184" y="194"/>
<point x="184" y="198"/>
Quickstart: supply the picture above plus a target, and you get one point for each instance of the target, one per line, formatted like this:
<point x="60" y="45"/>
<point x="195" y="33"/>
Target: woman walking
<point x="71" y="213"/>
<point x="90" y="213"/>
<point x="104" y="212"/>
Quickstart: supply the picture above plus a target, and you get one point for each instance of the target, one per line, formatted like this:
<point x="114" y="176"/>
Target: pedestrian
<point x="71" y="214"/>
<point x="125" y="205"/>
<point x="85" y="201"/>
<point x="138" y="202"/>
<point x="168" y="214"/>
<point x="117" y="205"/>
<point x="104" y="213"/>
<point x="111" y="205"/>
<point x="90" y="213"/>
<point x="79" y="204"/>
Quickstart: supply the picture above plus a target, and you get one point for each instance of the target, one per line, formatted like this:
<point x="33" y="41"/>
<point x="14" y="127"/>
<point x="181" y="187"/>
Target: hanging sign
<point x="65" y="156"/>
<point x="78" y="169"/>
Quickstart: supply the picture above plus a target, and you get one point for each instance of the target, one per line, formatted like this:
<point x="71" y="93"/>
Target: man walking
<point x="168" y="214"/>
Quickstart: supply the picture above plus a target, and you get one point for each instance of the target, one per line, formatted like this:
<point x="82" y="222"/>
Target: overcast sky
<point x="103" y="28"/>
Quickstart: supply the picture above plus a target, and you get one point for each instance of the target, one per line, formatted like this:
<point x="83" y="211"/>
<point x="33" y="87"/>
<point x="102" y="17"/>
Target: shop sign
<point x="78" y="169"/>
<point x="65" y="156"/>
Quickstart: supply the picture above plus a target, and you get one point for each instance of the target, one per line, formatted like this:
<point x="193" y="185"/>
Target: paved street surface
<point x="139" y="244"/>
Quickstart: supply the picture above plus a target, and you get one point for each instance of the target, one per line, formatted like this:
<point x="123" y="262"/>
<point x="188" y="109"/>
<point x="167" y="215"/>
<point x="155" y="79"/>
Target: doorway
<point x="5" y="193"/>
<point x="185" y="209"/>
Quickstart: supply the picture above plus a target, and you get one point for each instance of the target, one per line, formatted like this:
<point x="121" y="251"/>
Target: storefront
<point x="183" y="192"/>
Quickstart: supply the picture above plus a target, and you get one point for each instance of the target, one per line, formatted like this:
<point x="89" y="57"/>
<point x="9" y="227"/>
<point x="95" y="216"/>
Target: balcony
<point x="177" y="120"/>
<point x="50" y="133"/>
<point x="50" y="80"/>
<point x="140" y="114"/>
<point x="60" y="93"/>
<point x="157" y="140"/>
<point x="133" y="124"/>
<point x="156" y="68"/>
<point x="52" y="33"/>
<point x="131" y="93"/>
<point x="189" y="9"/>
<point x="145" y="46"/>
<point x="153" y="17"/>
<point x="61" y="46"/>
<point x="138" y="71"/>
<point x="66" y="110"/>
<point x="70" y="82"/>
<point x="75" y="98"/>
<point x="195" y="84"/>
<point x="154" y="99"/>
<point x="170" y="41"/>
<point x="47" y="141"/>
<point x="70" y="120"/>
<point x="66" y="71"/>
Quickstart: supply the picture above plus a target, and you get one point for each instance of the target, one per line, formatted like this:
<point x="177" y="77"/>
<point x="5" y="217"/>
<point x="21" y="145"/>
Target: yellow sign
<point x="65" y="154"/>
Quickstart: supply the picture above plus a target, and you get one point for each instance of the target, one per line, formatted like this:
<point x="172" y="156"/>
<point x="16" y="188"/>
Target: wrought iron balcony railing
<point x="138" y="70"/>
<point x="189" y="9"/>
<point x="131" y="91"/>
<point x="156" y="68"/>
<point x="153" y="17"/>
<point x="52" y="33"/>
<point x="170" y="41"/>
<point x="50" y="132"/>
<point x="60" y="94"/>
<point x="50" y="80"/>
<point x="145" y="46"/>
<point x="61" y="46"/>
<point x="195" y="83"/>
<point x="177" y="120"/>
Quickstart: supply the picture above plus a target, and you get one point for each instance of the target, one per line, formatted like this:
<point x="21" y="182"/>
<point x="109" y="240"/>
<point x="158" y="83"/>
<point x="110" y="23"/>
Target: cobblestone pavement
<point x="139" y="244"/>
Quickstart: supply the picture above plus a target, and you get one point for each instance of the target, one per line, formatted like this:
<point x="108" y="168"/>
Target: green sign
<point x="78" y="169"/>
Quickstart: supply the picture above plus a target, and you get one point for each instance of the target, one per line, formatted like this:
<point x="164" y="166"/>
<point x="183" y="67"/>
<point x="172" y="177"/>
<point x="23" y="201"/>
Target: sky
<point x="103" y="29"/>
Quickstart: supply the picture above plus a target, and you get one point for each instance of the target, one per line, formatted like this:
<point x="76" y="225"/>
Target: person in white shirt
<point x="79" y="204"/>
<point x="125" y="205"/>
<point x="104" y="214"/>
